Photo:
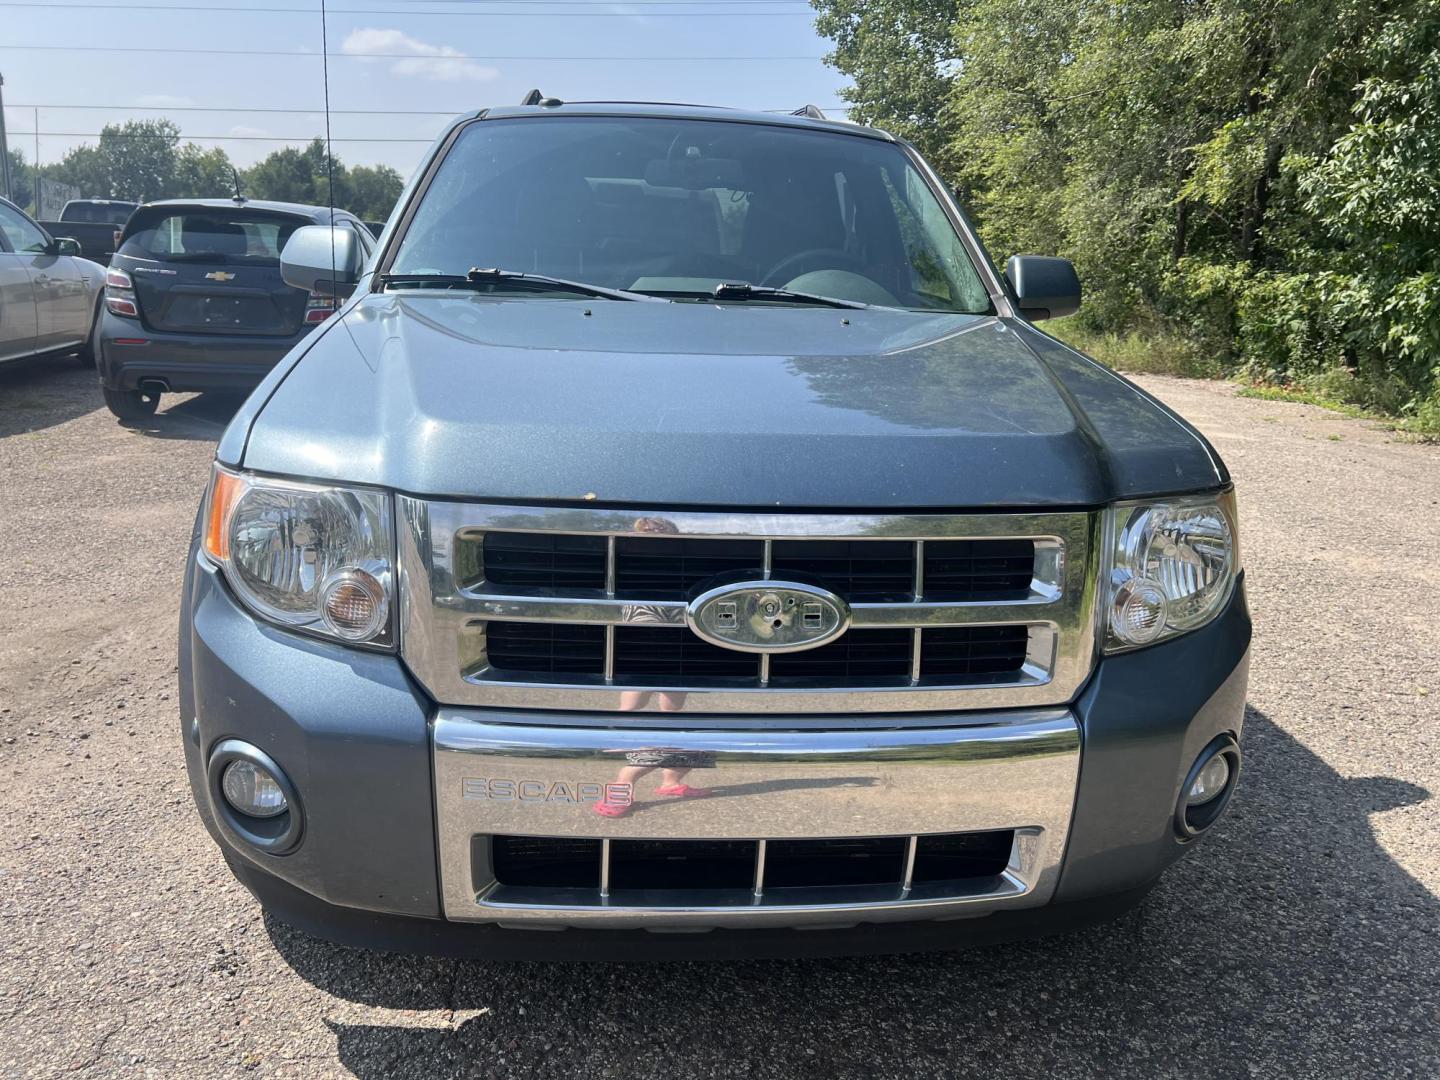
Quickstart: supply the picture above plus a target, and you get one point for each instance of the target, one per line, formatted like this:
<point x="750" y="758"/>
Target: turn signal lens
<point x="225" y="488"/>
<point x="353" y="605"/>
<point x="1138" y="614"/>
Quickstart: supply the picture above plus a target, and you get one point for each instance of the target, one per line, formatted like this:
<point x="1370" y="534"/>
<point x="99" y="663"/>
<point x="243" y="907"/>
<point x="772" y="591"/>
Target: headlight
<point x="1172" y="566"/>
<point x="314" y="557"/>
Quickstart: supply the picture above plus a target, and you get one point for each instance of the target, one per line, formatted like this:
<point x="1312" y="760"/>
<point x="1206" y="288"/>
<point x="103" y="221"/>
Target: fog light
<point x="353" y="605"/>
<point x="253" y="800"/>
<point x="252" y="791"/>
<point x="1207" y="787"/>
<point x="1210" y="782"/>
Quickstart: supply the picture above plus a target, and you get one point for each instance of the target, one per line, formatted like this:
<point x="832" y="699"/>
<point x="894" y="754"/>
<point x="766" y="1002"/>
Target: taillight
<point x="120" y="294"/>
<point x="320" y="308"/>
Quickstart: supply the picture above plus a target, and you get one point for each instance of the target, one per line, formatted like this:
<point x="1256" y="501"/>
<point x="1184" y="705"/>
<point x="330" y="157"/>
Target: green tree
<point x="22" y="179"/>
<point x="900" y="55"/>
<point x="286" y="175"/>
<point x="203" y="173"/>
<point x="1209" y="165"/>
<point x="374" y="191"/>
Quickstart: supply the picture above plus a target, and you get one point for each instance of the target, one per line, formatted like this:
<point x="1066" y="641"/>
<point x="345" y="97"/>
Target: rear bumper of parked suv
<point x="467" y="831"/>
<point x="130" y="355"/>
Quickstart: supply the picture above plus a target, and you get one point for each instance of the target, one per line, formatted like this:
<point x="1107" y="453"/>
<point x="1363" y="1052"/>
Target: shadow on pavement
<point x="1288" y="943"/>
<point x="37" y="394"/>
<point x="199" y="416"/>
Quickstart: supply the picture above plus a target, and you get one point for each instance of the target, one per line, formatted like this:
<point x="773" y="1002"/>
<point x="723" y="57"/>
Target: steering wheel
<point x="802" y="262"/>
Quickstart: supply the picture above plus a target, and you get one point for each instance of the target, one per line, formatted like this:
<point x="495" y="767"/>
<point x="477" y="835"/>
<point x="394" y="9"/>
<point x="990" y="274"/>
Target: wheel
<point x="130" y="406"/>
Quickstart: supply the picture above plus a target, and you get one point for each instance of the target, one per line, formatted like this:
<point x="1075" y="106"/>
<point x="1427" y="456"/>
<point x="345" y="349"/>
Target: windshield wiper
<point x="494" y="280"/>
<point x="743" y="290"/>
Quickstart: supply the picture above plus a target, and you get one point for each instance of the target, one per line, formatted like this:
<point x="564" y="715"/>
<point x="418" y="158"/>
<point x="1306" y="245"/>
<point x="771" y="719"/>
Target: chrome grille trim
<point x="442" y="607"/>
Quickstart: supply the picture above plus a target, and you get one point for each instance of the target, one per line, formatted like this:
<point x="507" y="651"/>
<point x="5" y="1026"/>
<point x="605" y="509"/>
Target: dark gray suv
<point x="194" y="299"/>
<point x="683" y="527"/>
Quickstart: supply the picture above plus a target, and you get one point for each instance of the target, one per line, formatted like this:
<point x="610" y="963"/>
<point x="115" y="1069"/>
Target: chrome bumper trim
<point x="498" y="774"/>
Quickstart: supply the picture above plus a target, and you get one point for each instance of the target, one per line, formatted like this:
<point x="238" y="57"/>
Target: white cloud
<point x="244" y="132"/>
<point x="412" y="57"/>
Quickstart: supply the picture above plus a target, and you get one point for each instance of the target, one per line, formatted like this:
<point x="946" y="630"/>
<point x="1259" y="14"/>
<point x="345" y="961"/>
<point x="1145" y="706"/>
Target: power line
<point x="126" y="9"/>
<point x="264" y="138"/>
<point x="212" y="138"/>
<point x="376" y="56"/>
<point x="250" y="109"/>
<point x="296" y="112"/>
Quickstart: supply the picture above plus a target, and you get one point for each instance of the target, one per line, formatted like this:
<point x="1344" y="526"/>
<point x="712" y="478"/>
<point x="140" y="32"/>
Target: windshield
<point x="677" y="207"/>
<point x="251" y="237"/>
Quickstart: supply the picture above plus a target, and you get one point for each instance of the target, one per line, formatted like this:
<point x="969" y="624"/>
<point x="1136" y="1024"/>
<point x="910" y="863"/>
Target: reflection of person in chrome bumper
<point x="674" y="766"/>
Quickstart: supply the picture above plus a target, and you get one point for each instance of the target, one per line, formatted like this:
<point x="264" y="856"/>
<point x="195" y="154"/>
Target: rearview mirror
<point x="65" y="245"/>
<point x="323" y="259"/>
<point x="1046" y="288"/>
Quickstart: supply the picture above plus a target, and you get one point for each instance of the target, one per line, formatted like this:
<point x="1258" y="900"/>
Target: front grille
<point x="670" y="569"/>
<point x="978" y="569"/>
<point x="523" y="649"/>
<point x="860" y="654"/>
<point x="545" y="560"/>
<point x="676" y="568"/>
<point x="667" y="655"/>
<point x="958" y="651"/>
<point x="655" y="654"/>
<point x="569" y="608"/>
<point x="632" y="868"/>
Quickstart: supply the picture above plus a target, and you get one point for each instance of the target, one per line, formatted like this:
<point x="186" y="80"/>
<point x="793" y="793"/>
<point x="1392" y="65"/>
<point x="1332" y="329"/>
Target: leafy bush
<point x="1246" y="186"/>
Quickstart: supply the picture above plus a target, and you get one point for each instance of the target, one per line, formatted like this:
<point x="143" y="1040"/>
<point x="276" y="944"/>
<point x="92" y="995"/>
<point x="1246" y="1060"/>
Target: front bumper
<point x="392" y="855"/>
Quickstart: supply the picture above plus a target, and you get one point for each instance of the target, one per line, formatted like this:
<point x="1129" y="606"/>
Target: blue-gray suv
<point x="682" y="527"/>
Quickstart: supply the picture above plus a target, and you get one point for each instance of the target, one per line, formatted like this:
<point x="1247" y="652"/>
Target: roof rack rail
<point x="534" y="97"/>
<point x="811" y="111"/>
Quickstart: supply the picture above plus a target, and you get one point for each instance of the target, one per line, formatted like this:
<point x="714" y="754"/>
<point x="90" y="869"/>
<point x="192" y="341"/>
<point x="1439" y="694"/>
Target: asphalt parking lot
<point x="1301" y="939"/>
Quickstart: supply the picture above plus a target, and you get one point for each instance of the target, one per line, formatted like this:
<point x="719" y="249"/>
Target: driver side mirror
<point x="322" y="259"/>
<point x="1046" y="288"/>
<point x="64" y="245"/>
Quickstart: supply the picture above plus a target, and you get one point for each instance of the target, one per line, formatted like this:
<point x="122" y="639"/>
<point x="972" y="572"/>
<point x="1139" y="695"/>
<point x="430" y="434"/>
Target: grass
<point x="1143" y="352"/>
<point x="1423" y="425"/>
<point x="1163" y="352"/>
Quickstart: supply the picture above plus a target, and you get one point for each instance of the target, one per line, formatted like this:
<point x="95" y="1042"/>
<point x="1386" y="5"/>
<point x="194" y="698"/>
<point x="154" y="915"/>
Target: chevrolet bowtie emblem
<point x="219" y="275"/>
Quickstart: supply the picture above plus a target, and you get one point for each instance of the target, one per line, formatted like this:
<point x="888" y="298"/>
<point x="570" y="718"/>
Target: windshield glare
<point x="676" y="207"/>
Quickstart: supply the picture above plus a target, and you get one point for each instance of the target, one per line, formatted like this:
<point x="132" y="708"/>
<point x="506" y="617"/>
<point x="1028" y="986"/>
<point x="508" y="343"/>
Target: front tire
<point x="131" y="406"/>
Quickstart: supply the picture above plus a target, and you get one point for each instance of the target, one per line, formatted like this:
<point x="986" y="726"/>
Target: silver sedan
<point x="49" y="296"/>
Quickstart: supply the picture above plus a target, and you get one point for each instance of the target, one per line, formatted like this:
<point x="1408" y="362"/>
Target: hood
<point x="712" y="405"/>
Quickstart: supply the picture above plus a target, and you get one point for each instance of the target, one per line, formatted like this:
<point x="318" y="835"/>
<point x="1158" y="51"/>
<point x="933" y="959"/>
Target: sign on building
<point x="53" y="197"/>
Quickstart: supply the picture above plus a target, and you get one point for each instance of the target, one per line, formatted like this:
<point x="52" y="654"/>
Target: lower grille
<point x="669" y="655"/>
<point x="676" y="867"/>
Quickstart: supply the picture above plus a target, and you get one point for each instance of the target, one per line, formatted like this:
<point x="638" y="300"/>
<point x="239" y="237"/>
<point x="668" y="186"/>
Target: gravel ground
<point x="1301" y="939"/>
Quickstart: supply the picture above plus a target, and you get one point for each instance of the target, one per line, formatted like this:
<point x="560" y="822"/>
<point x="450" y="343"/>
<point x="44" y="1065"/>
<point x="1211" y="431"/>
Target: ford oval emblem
<point x="768" y="616"/>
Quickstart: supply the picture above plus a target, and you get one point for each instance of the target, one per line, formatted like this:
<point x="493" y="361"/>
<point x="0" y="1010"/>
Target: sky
<point x="215" y="67"/>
